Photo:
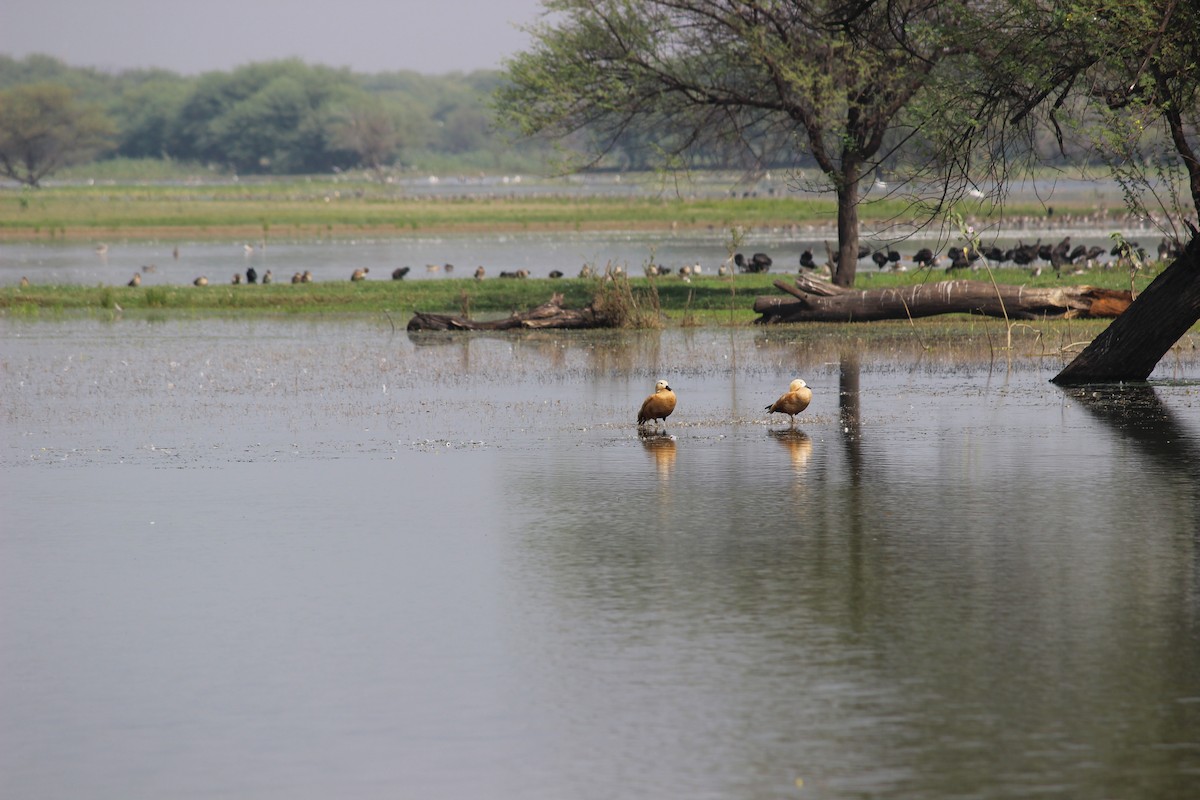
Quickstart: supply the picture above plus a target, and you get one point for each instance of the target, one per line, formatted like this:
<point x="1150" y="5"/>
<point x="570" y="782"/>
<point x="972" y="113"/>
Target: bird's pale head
<point x="661" y="386"/>
<point x="796" y="385"/>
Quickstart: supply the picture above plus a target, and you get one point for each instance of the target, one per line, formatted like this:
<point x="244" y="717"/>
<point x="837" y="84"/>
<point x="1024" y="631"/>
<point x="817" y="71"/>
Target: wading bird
<point x="658" y="405"/>
<point x="795" y="400"/>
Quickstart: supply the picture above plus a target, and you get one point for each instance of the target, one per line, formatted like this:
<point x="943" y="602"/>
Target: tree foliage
<point x="43" y="128"/>
<point x="829" y="80"/>
<point x="1115" y="79"/>
<point x="288" y="117"/>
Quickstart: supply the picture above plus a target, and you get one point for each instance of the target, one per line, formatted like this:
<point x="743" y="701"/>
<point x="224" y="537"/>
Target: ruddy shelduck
<point x="658" y="405"/>
<point x="796" y="399"/>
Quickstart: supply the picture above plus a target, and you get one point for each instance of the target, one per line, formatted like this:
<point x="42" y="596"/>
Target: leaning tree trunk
<point x="1130" y="348"/>
<point x="818" y="301"/>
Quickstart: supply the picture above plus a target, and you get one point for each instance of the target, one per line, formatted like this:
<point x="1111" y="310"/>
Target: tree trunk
<point x="547" y="315"/>
<point x="847" y="222"/>
<point x="818" y="301"/>
<point x="1130" y="348"/>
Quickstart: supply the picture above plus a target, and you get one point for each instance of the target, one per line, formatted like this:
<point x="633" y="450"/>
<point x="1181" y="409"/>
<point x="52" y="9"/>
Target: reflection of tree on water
<point x="1139" y="416"/>
<point x="608" y="352"/>
<point x="849" y="413"/>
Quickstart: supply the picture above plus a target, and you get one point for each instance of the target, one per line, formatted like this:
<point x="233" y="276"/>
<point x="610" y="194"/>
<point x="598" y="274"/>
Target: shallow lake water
<point x="297" y="559"/>
<point x="176" y="263"/>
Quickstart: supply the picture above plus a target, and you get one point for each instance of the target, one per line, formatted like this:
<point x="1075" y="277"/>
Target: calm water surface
<point x="179" y="263"/>
<point x="287" y="559"/>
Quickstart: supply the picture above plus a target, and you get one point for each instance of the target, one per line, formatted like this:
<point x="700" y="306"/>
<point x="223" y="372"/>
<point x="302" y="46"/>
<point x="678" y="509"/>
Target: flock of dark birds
<point x="1060" y="257"/>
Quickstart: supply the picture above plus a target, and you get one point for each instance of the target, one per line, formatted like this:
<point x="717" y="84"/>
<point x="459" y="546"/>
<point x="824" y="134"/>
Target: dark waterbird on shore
<point x="759" y="262"/>
<point x="996" y="255"/>
<point x="251" y="275"/>
<point x="399" y="272"/>
<point x="958" y="259"/>
<point x="924" y="258"/>
<point x="1125" y="250"/>
<point x="806" y="260"/>
<point x="880" y="258"/>
<point x="1025" y="254"/>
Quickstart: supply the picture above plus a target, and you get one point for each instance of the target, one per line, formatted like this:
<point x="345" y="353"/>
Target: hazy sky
<point x="429" y="36"/>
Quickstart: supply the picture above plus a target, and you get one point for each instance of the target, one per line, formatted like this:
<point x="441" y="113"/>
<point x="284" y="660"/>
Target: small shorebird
<point x="360" y="274"/>
<point x="201" y="281"/>
<point x="658" y="405"/>
<point x="136" y="280"/>
<point x="795" y="400"/>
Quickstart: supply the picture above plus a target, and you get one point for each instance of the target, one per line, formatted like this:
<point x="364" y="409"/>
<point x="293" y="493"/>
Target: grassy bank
<point x="706" y="300"/>
<point x="322" y="208"/>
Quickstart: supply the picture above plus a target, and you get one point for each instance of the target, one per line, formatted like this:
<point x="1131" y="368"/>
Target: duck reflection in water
<point x="662" y="447"/>
<point x="798" y="444"/>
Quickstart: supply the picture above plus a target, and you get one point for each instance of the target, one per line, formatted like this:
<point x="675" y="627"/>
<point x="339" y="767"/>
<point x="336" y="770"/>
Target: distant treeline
<point x="288" y="117"/>
<point x="292" y="118"/>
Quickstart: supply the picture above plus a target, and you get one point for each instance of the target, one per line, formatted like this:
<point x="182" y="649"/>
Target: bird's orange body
<point x="796" y="399"/>
<point x="658" y="405"/>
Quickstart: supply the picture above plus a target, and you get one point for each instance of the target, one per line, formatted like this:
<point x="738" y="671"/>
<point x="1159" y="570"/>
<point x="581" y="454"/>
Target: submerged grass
<point x="634" y="301"/>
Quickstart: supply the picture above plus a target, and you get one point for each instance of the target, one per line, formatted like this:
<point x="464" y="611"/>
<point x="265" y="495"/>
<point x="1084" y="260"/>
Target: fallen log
<point x="818" y="301"/>
<point x="1130" y="348"/>
<point x="547" y="315"/>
